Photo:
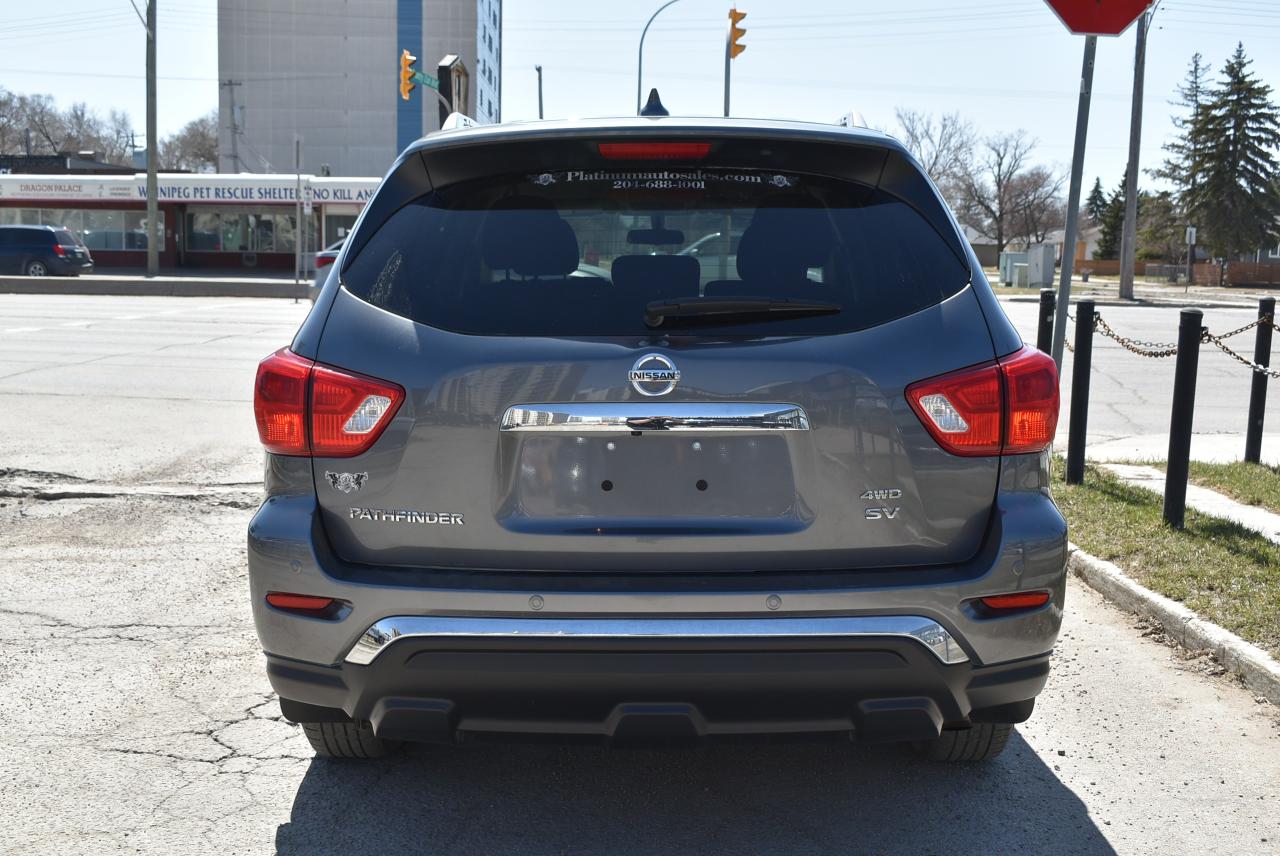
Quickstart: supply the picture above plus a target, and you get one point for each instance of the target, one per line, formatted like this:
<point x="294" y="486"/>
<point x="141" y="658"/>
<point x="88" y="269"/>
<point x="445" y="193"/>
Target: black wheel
<point x="36" y="268"/>
<point x="980" y="742"/>
<point x="346" y="740"/>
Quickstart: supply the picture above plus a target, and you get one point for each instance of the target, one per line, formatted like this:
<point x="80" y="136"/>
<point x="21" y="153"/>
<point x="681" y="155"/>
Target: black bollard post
<point x="1044" y="333"/>
<point x="1258" y="393"/>
<point x="1184" y="404"/>
<point x="1080" y="391"/>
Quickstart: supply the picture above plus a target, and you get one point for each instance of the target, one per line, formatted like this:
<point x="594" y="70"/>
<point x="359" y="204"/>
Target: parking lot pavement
<point x="135" y="715"/>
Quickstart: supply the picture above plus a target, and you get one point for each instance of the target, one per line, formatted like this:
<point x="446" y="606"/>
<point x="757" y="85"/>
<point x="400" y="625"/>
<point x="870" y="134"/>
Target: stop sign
<point x="1098" y="17"/>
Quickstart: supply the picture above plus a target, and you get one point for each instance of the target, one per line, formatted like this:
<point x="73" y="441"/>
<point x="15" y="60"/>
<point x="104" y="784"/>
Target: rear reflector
<point x="299" y="602"/>
<point x="654" y="151"/>
<point x="1008" y="407"/>
<point x="1017" y="600"/>
<point x="304" y="408"/>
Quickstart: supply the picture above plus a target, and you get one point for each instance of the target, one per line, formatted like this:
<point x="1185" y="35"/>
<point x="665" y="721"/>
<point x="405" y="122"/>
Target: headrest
<point x="782" y="243"/>
<point x="659" y="277"/>
<point x="526" y="235"/>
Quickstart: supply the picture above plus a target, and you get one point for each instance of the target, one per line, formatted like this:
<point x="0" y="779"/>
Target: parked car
<point x="324" y="261"/>
<point x="42" y="251"/>
<point x="504" y="497"/>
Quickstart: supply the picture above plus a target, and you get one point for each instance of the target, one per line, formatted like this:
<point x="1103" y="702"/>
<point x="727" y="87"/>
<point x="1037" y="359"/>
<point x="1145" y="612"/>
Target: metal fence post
<point x="1258" y="393"/>
<point x="1044" y="333"/>
<point x="1080" y="391"/>
<point x="1184" y="402"/>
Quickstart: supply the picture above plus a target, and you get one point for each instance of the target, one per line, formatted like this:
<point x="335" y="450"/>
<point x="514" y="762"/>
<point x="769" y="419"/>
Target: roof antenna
<point x="653" y="107"/>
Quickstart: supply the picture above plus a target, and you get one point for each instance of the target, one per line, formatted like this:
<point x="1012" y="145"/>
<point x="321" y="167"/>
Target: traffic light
<point x="735" y="33"/>
<point x="406" y="73"/>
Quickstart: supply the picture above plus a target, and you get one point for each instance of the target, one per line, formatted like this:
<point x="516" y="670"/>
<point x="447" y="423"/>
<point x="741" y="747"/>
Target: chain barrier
<point x="1137" y="346"/>
<point x="1206" y="336"/>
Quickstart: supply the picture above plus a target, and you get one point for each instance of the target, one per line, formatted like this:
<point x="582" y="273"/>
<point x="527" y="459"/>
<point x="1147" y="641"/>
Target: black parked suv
<point x="42" y="251"/>
<point x="533" y="470"/>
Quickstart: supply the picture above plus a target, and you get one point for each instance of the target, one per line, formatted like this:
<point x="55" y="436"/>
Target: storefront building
<point x="215" y="222"/>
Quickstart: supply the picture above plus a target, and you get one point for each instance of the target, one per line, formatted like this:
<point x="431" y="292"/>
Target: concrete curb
<point x="1258" y="669"/>
<point x="136" y="287"/>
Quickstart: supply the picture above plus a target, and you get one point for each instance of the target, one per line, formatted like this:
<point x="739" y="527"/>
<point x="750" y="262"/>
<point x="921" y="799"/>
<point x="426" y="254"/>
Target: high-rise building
<point x="327" y="71"/>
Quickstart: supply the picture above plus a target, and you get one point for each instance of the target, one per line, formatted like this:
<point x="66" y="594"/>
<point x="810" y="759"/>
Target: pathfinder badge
<point x="347" y="482"/>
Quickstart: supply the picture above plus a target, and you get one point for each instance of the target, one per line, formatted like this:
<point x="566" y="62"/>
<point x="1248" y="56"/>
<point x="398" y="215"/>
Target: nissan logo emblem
<point x="654" y="374"/>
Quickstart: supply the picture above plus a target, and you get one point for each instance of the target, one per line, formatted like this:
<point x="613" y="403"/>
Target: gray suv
<point x="533" y="471"/>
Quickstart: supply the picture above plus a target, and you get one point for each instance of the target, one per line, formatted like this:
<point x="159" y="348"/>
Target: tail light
<point x="324" y="261"/>
<point x="59" y="250"/>
<point x="1006" y="407"/>
<point x="304" y="408"/>
<point x="655" y="151"/>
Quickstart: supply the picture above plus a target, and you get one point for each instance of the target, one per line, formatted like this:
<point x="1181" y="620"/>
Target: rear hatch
<point x="582" y="394"/>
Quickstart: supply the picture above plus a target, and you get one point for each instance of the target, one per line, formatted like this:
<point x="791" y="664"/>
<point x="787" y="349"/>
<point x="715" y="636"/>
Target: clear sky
<point x="1002" y="64"/>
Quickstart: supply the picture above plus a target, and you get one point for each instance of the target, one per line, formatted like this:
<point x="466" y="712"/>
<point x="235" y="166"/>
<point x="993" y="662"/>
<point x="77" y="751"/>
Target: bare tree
<point x="944" y="147"/>
<point x="987" y="195"/>
<point x="1035" y="195"/>
<point x="194" y="148"/>
<point x="53" y="131"/>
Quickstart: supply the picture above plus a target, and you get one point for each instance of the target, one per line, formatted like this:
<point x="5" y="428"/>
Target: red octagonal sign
<point x="1098" y="17"/>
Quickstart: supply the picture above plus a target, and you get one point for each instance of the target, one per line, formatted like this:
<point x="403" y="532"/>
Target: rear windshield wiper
<point x="714" y="308"/>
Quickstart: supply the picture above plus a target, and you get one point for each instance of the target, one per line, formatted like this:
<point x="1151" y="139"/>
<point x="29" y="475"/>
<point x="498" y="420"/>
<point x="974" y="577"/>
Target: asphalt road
<point x="135" y="717"/>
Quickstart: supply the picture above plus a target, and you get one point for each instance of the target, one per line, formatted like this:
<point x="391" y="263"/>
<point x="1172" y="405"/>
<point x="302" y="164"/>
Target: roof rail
<point x="457" y="121"/>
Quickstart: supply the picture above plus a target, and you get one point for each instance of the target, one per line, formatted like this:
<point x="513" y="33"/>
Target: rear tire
<point x="36" y="269"/>
<point x="980" y="742"/>
<point x="352" y="740"/>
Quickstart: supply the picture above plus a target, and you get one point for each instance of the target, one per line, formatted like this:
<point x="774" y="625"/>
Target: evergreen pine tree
<point x="1235" y="196"/>
<point x="1178" y="168"/>
<point x="1096" y="202"/>
<point x="1111" y="224"/>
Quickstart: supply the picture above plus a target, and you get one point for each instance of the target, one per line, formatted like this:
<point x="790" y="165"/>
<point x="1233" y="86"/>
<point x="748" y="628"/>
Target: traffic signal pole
<point x="1073" y="200"/>
<point x="731" y="49"/>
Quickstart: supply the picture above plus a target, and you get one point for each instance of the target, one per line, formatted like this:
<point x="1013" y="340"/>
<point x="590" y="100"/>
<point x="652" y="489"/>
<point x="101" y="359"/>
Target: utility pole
<point x="154" y="235"/>
<point x="539" y="70"/>
<point x="230" y="86"/>
<point x="1073" y="199"/>
<point x="1129" y="234"/>
<point x="299" y="230"/>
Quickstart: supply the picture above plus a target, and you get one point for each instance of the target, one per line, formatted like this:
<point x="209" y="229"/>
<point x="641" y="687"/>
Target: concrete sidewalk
<point x="166" y="286"/>
<point x="1265" y="523"/>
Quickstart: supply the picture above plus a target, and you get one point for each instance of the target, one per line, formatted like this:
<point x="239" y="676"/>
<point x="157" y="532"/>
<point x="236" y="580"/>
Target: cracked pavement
<point x="135" y="716"/>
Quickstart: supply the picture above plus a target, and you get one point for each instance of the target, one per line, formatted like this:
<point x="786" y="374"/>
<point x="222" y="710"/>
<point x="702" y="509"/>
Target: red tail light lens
<point x="349" y="411"/>
<point x="59" y="250"/>
<point x="1006" y="407"/>
<point x="324" y="261"/>
<point x="304" y="408"/>
<point x="280" y="402"/>
<point x="1015" y="601"/>
<point x="654" y="151"/>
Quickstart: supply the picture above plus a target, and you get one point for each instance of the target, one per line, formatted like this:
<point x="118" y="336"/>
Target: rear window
<point x="65" y="238"/>
<point x="582" y="253"/>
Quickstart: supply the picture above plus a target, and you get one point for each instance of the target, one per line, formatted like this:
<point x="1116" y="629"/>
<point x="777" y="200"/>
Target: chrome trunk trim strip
<point x="927" y="632"/>
<point x="590" y="417"/>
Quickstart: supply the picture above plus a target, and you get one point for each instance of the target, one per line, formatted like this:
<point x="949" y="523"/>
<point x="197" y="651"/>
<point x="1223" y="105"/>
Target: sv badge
<point x="882" y="513"/>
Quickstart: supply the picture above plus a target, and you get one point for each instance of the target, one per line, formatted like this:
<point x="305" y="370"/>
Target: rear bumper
<point x="614" y="688"/>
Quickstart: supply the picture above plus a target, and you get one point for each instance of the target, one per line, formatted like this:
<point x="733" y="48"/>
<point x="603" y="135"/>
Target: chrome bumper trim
<point x="927" y="632"/>
<point x="654" y="416"/>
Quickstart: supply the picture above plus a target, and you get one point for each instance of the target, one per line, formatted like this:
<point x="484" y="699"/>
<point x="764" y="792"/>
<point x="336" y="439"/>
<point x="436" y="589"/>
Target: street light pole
<point x="640" y="52"/>
<point x="538" y="68"/>
<point x="1129" y="234"/>
<point x="153" y="213"/>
